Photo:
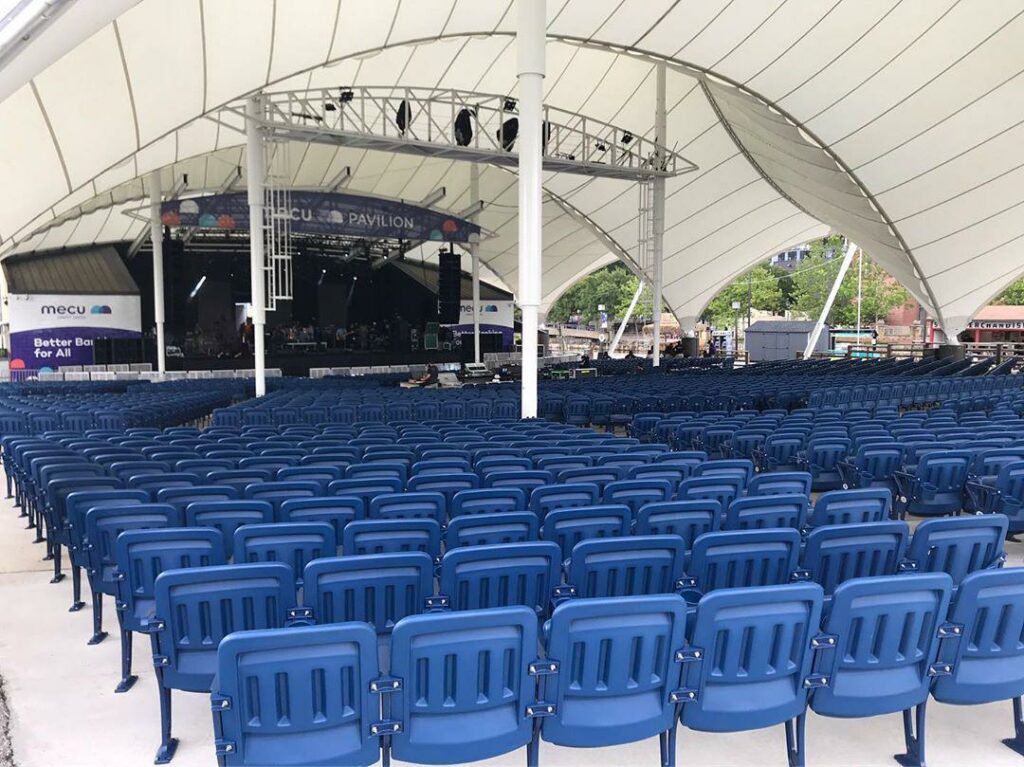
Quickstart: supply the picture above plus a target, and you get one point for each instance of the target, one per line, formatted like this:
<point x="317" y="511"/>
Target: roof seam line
<point x="128" y="84"/>
<point x="53" y="135"/>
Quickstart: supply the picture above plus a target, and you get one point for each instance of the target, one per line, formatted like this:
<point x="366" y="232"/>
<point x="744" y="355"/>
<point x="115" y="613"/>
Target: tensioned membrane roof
<point x="896" y="122"/>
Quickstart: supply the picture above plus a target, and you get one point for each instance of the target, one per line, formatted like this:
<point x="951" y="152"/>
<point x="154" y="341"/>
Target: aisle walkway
<point x="64" y="710"/>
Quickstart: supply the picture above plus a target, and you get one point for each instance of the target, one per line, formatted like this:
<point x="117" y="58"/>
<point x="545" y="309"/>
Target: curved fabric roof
<point x="897" y="122"/>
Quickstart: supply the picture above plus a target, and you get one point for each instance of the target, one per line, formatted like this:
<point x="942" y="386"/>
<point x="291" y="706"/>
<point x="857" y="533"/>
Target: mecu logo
<point x="73" y="309"/>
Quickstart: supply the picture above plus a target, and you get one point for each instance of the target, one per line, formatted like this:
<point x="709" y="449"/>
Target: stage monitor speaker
<point x="113" y="351"/>
<point x="449" y="287"/>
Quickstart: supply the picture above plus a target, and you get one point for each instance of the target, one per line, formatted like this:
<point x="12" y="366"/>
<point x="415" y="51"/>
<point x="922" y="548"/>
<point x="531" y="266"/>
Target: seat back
<point x="885" y="630"/>
<point x="228" y="516"/>
<point x="754" y="655"/>
<point x="617" y="669"/>
<point x="483" y="659"/>
<point x="563" y="496"/>
<point x="181" y="497"/>
<point x="198" y="607"/>
<point x="780" y="483"/>
<point x="845" y="507"/>
<point x="490" y="500"/>
<point x="104" y="523"/>
<point x="633" y="566"/>
<point x="752" y="512"/>
<point x="744" y="558"/>
<point x="390" y="536"/>
<point x="567" y="527"/>
<point x="958" y="546"/>
<point x="634" y="493"/>
<point x="379" y="589"/>
<point x="986" y="655"/>
<point x="686" y="519"/>
<point x="837" y="553"/>
<point x="294" y="543"/>
<point x="721" y="488"/>
<point x="337" y="511"/>
<point x="408" y="506"/>
<point x="278" y="685"/>
<point x="480" y="577"/>
<point x="488" y="529"/>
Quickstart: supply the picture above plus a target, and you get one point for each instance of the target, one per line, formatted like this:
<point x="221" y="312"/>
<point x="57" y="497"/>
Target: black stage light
<point x="464" y="127"/>
<point x="329" y="107"/>
<point x="627" y="138"/>
<point x="345" y="95"/>
<point x="403" y="116"/>
<point x="600" y="147"/>
<point x="511" y="105"/>
<point x="507" y="133"/>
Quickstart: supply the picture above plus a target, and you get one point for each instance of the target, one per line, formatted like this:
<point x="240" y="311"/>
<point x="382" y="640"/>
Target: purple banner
<point x="326" y="213"/>
<point x="46" y="349"/>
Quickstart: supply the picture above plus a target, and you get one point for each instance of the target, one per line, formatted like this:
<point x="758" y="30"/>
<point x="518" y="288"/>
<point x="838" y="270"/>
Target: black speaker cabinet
<point x="449" y="287"/>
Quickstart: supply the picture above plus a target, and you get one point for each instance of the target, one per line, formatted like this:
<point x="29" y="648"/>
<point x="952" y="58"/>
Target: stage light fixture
<point x="510" y="105"/>
<point x="197" y="288"/>
<point x="329" y="107"/>
<point x="601" y="147"/>
<point x="345" y="95"/>
<point x="627" y="138"/>
<point x="508" y="132"/>
<point x="464" y="127"/>
<point x="403" y="116"/>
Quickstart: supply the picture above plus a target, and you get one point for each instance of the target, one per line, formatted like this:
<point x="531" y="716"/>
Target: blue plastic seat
<point x="262" y="673"/>
<point x="337" y="511"/>
<point x="753" y="512"/>
<point x="140" y="556"/>
<point x="821" y="460"/>
<point x="738" y="676"/>
<point x="379" y="589"/>
<point x="845" y="507"/>
<point x="567" y="527"/>
<point x="378" y="470"/>
<point x="835" y="554"/>
<point x="1000" y="494"/>
<point x="409" y="506"/>
<point x="490" y="529"/>
<point x="632" y="566"/>
<point x="723" y="489"/>
<point x="322" y="475"/>
<point x="562" y="496"/>
<point x="627" y="693"/>
<point x="526" y="480"/>
<point x="780" y="483"/>
<point x="873" y="465"/>
<point x="877" y="655"/>
<point x="478" y="577"/>
<point x="495" y="690"/>
<point x="491" y="500"/>
<point x="742" y="559"/>
<point x="597" y="475"/>
<point x="239" y="478"/>
<point x="366" y="489"/>
<point x="391" y="536"/>
<point x="180" y="497"/>
<point x="958" y="546"/>
<point x="447" y="484"/>
<point x="156" y="481"/>
<point x="294" y="543"/>
<point x="936" y="486"/>
<point x="686" y="519"/>
<point x="634" y="493"/>
<point x="228" y="516"/>
<point x="195" y="609"/>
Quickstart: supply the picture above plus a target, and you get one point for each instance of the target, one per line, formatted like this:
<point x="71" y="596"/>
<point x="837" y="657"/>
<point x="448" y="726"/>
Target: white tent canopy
<point x="897" y="122"/>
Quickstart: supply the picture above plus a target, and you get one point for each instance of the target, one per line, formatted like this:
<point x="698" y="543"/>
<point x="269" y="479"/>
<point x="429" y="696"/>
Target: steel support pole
<point x="625" y="320"/>
<point x="474" y="194"/>
<point x="530" y="46"/>
<point x="860" y="288"/>
<point x="812" y="340"/>
<point x="660" y="129"/>
<point x="257" y="171"/>
<point x="156" y="235"/>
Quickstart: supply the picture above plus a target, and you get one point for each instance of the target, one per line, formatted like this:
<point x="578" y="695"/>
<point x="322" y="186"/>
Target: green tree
<point x="764" y="291"/>
<point x="1013" y="295"/>
<point x="613" y="286"/>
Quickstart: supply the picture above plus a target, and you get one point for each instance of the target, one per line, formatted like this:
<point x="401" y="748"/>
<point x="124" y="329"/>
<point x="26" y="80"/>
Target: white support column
<point x="156" y="235"/>
<point x="812" y="340"/>
<point x="474" y="194"/>
<point x="256" y="172"/>
<point x="530" y="46"/>
<point x="626" y="318"/>
<point x="660" y="128"/>
<point x="860" y="289"/>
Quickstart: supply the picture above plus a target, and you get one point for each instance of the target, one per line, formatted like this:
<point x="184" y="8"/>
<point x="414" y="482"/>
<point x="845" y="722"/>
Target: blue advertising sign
<point x="326" y="213"/>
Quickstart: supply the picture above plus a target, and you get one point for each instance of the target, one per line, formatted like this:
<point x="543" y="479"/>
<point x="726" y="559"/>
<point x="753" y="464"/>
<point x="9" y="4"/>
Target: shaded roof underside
<point x="898" y="122"/>
<point x="88" y="271"/>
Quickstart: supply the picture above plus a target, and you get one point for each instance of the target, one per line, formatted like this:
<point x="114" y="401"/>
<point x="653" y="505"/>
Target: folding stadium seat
<point x="322" y="475"/>
<point x="491" y="500"/>
<point x="278" y="492"/>
<point x="400" y="454"/>
<point x="821" y="458"/>
<point x="238" y="478"/>
<point x="140" y="556"/>
<point x="390" y="536"/>
<point x="488" y="529"/>
<point x="597" y="475"/>
<point x="378" y="470"/>
<point x="448" y="484"/>
<point x="228" y="516"/>
<point x="780" y="483"/>
<point x="409" y="506"/>
<point x="180" y="497"/>
<point x="569" y="526"/>
<point x="685" y="519"/>
<point x="780" y="452"/>
<point x="155" y="482"/>
<point x="662" y="471"/>
<point x="379" y="589"/>
<point x="477" y="577"/>
<point x="723" y="489"/>
<point x="936" y="487"/>
<point x="441" y="465"/>
<point x="630" y="566"/>
<point x="958" y="546"/>
<point x="737" y="676"/>
<point x="834" y="554"/>
<point x="559" y="463"/>
<point x="203" y="466"/>
<point x="873" y="465"/>
<point x="845" y="507"/>
<point x="634" y="493"/>
<point x="981" y="646"/>
<point x="893" y="671"/>
<point x="491" y="686"/>
<point x="291" y="668"/>
<point x="485" y="466"/>
<point x="525" y="480"/>
<point x="195" y="609"/>
<point x="726" y="467"/>
<point x="294" y="543"/>
<point x="631" y="695"/>
<point x="742" y="558"/>
<point x="753" y="512"/>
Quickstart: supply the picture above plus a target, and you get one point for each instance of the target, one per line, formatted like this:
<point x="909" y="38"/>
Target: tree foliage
<point x="1013" y="295"/>
<point x="763" y="287"/>
<point x="613" y="286"/>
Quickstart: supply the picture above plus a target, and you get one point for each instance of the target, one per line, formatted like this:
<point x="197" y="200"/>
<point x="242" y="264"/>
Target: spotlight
<point x="627" y="138"/>
<point x="464" y="127"/>
<point x="345" y="95"/>
<point x="197" y="288"/>
<point x="508" y="132"/>
<point x="403" y="116"/>
<point x="329" y="107"/>
<point x="510" y="105"/>
<point x="601" y="147"/>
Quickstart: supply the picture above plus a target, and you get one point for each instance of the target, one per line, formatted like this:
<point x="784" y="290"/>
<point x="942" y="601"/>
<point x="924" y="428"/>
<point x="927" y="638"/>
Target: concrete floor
<point x="64" y="710"/>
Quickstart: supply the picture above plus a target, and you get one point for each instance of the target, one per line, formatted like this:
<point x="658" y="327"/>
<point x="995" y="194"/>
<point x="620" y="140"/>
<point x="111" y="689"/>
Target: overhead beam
<point x="143" y="236"/>
<point x="812" y="339"/>
<point x="340" y="179"/>
<point x="228" y="184"/>
<point x="436" y="196"/>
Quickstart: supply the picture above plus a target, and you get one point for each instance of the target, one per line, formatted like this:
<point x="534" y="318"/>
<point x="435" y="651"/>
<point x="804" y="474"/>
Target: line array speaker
<point x="449" y="287"/>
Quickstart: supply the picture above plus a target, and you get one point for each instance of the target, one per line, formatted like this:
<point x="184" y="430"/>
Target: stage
<point x="298" y="363"/>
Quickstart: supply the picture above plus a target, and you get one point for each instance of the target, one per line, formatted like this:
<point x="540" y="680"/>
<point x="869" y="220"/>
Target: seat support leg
<point x="668" y="747"/>
<point x="913" y="735"/>
<point x="98" y="634"/>
<point x="1017" y="741"/>
<point x="168" y="745"/>
<point x="76" y="589"/>
<point x="127" y="677"/>
<point x="58" y="576"/>
<point x="795" y="740"/>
